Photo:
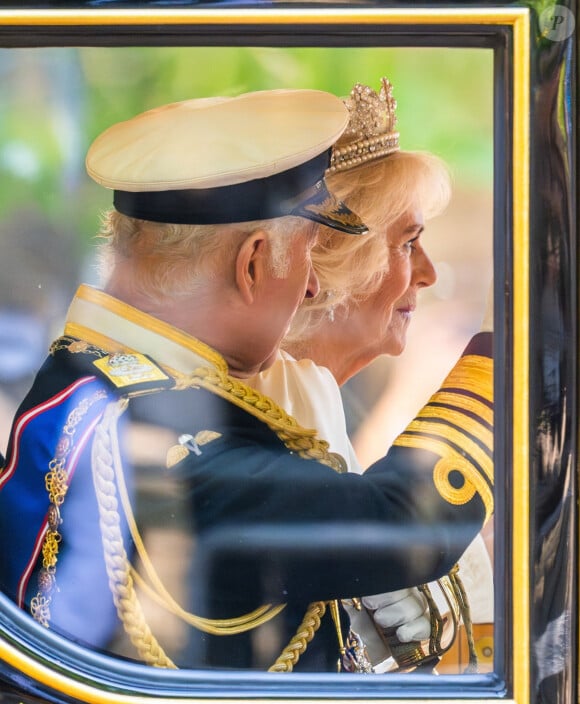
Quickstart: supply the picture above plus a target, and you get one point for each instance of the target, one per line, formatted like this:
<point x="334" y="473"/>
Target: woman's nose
<point x="313" y="286"/>
<point x="425" y="274"/>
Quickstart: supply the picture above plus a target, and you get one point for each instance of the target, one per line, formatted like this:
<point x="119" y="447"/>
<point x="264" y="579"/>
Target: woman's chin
<point x="395" y="348"/>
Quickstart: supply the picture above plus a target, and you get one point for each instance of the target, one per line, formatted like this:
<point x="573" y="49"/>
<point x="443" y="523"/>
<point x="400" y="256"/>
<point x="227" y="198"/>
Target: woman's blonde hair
<point x="351" y="268"/>
<point x="173" y="260"/>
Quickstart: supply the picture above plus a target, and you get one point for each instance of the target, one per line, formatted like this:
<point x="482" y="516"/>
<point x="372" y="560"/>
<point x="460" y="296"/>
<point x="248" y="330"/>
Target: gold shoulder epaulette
<point x="133" y="373"/>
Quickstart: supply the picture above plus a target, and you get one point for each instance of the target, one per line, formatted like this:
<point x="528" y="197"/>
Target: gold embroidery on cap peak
<point x="341" y="215"/>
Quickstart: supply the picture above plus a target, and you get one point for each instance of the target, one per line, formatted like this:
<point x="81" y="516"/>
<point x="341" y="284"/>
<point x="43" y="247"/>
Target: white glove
<point x="406" y="610"/>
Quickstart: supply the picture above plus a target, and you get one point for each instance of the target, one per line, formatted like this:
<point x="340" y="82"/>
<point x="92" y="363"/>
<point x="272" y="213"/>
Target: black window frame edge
<point x="21" y="635"/>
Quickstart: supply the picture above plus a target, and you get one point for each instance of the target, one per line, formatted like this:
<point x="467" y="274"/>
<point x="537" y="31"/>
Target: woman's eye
<point x="412" y="243"/>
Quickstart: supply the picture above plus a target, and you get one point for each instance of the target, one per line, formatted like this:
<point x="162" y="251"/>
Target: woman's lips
<point x="406" y="310"/>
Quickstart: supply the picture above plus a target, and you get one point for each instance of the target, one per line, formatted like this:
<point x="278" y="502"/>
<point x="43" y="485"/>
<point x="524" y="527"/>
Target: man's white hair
<point x="170" y="260"/>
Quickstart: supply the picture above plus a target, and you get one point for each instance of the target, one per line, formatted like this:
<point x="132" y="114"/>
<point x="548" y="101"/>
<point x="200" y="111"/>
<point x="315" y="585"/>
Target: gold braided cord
<point x="436" y="621"/>
<point x="461" y="596"/>
<point x="105" y="452"/>
<point x="447" y="589"/>
<point x="244" y="396"/>
<point x="457" y="437"/>
<point x="296" y="438"/>
<point x="219" y="627"/>
<point x="301" y="440"/>
<point x="451" y="460"/>
<point x="106" y="463"/>
<point x="472" y="373"/>
<point x="460" y="402"/>
<point x="304" y="634"/>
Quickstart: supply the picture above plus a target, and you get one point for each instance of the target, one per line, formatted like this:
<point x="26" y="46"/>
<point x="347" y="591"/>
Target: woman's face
<point x="383" y="318"/>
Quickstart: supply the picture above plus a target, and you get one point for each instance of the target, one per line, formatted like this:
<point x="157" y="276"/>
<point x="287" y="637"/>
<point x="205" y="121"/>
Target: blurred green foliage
<point x="55" y="101"/>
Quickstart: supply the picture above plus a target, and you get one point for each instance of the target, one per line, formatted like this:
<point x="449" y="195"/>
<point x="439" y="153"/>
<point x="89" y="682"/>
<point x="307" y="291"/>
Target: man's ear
<point x="251" y="264"/>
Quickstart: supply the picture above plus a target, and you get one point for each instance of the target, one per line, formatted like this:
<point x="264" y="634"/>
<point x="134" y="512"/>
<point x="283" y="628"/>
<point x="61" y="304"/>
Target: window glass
<point x="54" y="102"/>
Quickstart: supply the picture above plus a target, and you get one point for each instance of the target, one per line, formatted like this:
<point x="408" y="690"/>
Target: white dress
<point x="310" y="394"/>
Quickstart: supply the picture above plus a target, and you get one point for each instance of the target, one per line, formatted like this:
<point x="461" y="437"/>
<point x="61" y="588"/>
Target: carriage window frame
<point x="61" y="668"/>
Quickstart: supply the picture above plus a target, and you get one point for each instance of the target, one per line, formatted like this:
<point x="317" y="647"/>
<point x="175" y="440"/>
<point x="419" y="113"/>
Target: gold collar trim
<point x="116" y="326"/>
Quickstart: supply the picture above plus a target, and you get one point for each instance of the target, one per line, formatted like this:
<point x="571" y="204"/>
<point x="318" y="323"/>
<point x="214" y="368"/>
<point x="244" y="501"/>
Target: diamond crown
<point x="370" y="133"/>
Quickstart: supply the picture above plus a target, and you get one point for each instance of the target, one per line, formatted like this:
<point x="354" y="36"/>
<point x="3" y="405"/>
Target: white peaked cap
<point x="208" y="160"/>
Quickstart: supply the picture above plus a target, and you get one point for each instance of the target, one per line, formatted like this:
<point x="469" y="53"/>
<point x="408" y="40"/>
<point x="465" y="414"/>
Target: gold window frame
<point x="52" y="678"/>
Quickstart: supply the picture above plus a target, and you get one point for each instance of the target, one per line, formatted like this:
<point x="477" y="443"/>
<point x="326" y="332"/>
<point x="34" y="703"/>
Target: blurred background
<point x="55" y="101"/>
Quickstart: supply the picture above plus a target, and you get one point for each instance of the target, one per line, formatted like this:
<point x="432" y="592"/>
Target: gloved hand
<point x="404" y="610"/>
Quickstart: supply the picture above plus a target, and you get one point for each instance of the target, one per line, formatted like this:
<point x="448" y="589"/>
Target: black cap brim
<point x="300" y="191"/>
<point x="321" y="206"/>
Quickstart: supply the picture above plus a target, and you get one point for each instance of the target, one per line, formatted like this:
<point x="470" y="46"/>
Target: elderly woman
<point x="369" y="289"/>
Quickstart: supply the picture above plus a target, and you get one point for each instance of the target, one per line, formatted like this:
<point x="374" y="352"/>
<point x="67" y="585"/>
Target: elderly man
<point x="206" y="260"/>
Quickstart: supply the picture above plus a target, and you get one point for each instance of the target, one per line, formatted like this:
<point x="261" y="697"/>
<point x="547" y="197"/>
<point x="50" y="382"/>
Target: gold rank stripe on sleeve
<point x="460" y="429"/>
<point x="452" y="461"/>
<point x="473" y="373"/>
<point x="459" y="437"/>
<point x="472" y="405"/>
<point x="457" y="425"/>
